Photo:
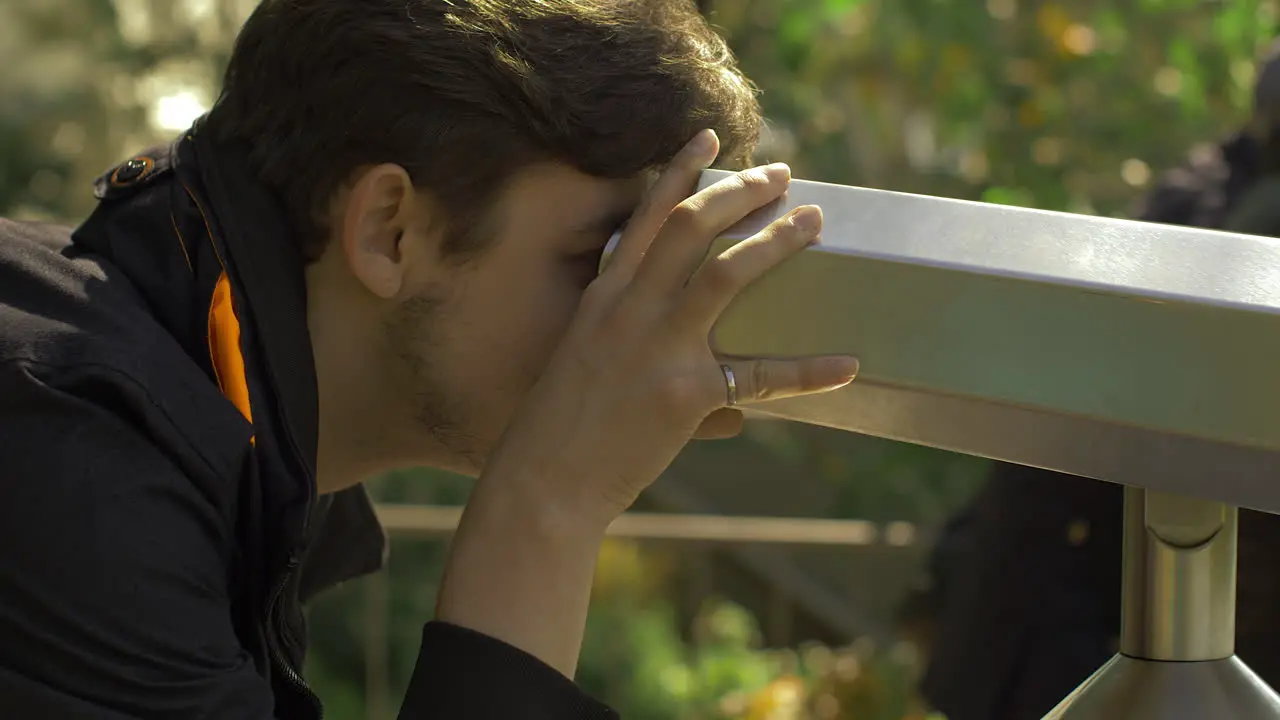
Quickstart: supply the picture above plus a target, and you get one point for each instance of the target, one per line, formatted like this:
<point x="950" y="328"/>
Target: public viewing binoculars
<point x="1141" y="354"/>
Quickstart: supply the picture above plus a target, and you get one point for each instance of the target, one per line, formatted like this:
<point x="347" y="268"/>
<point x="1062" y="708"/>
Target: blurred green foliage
<point x="1053" y="104"/>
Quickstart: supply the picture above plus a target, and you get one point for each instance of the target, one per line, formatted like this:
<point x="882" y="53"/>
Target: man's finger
<point x="759" y="380"/>
<point x="719" y="425"/>
<point x="694" y="224"/>
<point x="723" y="277"/>
<point x="671" y="188"/>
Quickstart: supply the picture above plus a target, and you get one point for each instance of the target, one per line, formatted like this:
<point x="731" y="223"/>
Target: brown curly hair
<point x="462" y="93"/>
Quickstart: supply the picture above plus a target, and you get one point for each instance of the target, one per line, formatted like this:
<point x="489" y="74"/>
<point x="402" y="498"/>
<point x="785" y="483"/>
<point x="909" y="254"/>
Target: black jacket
<point x="159" y="523"/>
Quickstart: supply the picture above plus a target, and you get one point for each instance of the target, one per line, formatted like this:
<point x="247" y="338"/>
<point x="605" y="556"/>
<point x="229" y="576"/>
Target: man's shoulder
<point x="62" y="307"/>
<point x="72" y="321"/>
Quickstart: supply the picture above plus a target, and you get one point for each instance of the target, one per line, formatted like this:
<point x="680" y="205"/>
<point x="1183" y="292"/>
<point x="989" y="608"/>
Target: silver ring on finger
<point x="731" y="386"/>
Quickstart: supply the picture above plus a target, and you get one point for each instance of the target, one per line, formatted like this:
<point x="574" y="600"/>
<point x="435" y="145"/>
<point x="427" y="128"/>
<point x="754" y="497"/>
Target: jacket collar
<point x="269" y="268"/>
<point x="344" y="538"/>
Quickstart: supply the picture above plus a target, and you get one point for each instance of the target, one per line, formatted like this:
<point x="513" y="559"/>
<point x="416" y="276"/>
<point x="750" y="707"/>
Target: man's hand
<point x="632" y="382"/>
<point x="635" y="377"/>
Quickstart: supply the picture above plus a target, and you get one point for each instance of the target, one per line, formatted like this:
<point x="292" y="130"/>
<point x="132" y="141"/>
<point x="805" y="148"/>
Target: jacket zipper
<point x="295" y="679"/>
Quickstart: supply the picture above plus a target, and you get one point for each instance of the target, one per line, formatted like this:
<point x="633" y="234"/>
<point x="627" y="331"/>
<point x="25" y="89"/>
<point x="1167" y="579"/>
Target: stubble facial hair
<point x="409" y="334"/>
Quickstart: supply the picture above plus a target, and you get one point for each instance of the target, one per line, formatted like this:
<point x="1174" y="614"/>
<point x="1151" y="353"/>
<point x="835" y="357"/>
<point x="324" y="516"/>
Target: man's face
<point x="432" y="372"/>
<point x="480" y="340"/>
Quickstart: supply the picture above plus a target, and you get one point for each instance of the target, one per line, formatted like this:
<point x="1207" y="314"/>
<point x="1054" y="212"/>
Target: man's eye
<point x="585" y="265"/>
<point x="592" y="257"/>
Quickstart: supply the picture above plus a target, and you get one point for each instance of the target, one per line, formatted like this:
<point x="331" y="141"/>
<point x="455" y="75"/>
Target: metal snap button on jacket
<point x="132" y="171"/>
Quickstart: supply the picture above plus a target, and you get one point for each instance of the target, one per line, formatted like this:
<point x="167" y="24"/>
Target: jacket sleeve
<point x="114" y="600"/>
<point x="462" y="673"/>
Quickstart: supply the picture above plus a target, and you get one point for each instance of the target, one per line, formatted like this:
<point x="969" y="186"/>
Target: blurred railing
<point x="439" y="522"/>
<point x="434" y="521"/>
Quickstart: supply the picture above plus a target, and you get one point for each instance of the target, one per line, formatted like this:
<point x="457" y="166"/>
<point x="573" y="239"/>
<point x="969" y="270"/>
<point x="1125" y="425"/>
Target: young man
<point x="378" y="250"/>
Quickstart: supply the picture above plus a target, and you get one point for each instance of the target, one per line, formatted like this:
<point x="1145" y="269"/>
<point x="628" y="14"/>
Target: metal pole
<point x="1177" y="642"/>
<point x="1179" y="597"/>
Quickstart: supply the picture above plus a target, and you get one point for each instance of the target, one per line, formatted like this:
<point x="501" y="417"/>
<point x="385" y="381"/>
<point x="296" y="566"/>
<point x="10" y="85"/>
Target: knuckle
<point x="680" y="393"/>
<point x="686" y="217"/>
<point x="720" y="276"/>
<point x="785" y="227"/>
<point x="755" y="181"/>
<point x="765" y="181"/>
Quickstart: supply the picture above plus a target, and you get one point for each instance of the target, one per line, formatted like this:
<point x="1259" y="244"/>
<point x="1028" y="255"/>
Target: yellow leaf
<point x="1030" y="115"/>
<point x="1053" y="21"/>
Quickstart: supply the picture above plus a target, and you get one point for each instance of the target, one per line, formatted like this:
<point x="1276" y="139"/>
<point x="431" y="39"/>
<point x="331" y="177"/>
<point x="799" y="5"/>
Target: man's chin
<point x="441" y="443"/>
<point x="466" y="460"/>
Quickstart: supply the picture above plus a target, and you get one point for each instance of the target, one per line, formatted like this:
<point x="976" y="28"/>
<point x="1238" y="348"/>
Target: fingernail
<point x="778" y="172"/>
<point x="704" y="143"/>
<point x="807" y="219"/>
<point x="845" y="368"/>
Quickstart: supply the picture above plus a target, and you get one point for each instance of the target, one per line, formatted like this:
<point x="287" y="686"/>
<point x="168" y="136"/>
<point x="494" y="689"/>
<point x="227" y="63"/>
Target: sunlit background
<point x="1065" y="105"/>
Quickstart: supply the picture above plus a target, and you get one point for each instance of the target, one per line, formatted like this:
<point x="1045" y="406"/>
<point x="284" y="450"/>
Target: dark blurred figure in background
<point x="1024" y="599"/>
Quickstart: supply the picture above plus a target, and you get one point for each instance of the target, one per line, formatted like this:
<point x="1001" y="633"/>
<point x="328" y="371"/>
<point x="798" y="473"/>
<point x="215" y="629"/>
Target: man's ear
<point x="380" y="208"/>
